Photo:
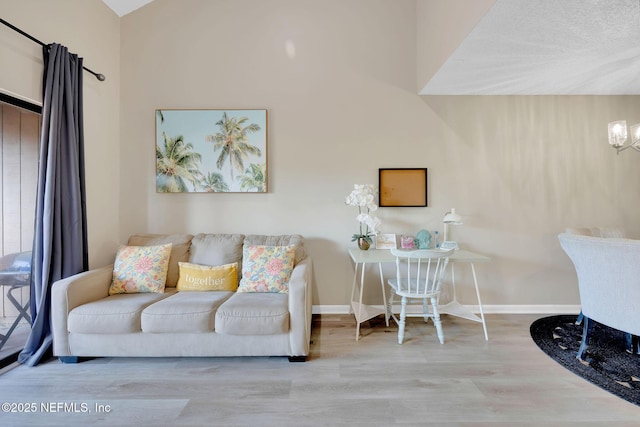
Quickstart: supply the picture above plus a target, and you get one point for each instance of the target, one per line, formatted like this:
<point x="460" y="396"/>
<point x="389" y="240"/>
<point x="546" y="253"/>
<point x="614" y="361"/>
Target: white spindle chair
<point x="418" y="276"/>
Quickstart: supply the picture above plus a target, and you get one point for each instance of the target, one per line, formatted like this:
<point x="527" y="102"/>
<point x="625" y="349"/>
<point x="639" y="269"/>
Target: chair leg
<point x="436" y="320"/>
<point x="580" y="317"/>
<point x="403" y="317"/>
<point x="587" y="328"/>
<point x="425" y="310"/>
<point x="632" y="343"/>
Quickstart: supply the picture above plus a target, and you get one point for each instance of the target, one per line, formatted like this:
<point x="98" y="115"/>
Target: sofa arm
<point x="69" y="293"/>
<point x="300" y="307"/>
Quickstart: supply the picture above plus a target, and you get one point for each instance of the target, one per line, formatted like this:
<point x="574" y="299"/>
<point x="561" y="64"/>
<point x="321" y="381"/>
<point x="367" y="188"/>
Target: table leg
<point x="22" y="309"/>
<point x="384" y="295"/>
<point x="475" y="283"/>
<point x="22" y="313"/>
<point x="454" y="308"/>
<point x="454" y="297"/>
<point x="359" y="316"/>
<point x="361" y="311"/>
<point x="353" y="286"/>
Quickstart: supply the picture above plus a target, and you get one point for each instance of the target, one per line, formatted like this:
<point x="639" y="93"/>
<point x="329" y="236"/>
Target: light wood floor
<point x="506" y="381"/>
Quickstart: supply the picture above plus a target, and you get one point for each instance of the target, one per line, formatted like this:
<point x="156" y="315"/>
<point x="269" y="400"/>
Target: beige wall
<point x="522" y="168"/>
<point x="519" y="169"/>
<point x="91" y="30"/>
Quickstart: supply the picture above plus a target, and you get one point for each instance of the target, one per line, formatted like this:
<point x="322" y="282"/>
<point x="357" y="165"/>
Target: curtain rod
<point x="99" y="76"/>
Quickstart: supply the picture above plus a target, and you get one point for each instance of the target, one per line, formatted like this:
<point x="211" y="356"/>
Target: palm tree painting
<point x="232" y="142"/>
<point x="227" y="151"/>
<point x="214" y="183"/>
<point x="176" y="164"/>
<point x="254" y="178"/>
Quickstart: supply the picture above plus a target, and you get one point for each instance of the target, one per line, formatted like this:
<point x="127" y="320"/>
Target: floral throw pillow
<point x="140" y="269"/>
<point x="266" y="268"/>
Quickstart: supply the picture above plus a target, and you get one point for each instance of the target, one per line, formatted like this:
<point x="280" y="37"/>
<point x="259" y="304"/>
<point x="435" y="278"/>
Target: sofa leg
<point x="294" y="359"/>
<point x="69" y="359"/>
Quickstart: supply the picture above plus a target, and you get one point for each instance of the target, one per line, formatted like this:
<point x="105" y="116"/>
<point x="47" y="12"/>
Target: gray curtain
<point x="60" y="239"/>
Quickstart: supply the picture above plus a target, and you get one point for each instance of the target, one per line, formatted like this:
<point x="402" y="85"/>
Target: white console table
<point x="364" y="312"/>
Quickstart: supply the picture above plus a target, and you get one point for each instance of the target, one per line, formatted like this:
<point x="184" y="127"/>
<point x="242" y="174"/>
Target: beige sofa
<point x="87" y="322"/>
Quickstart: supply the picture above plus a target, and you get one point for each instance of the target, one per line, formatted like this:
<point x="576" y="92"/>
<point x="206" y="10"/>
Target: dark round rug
<point x="607" y="364"/>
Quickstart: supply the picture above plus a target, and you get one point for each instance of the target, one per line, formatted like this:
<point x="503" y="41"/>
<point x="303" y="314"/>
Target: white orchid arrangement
<point x="363" y="196"/>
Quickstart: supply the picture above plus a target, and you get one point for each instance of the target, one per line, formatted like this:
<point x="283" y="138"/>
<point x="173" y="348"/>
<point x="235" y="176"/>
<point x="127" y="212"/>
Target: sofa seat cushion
<point x="115" y="314"/>
<point x="253" y="314"/>
<point x="190" y="312"/>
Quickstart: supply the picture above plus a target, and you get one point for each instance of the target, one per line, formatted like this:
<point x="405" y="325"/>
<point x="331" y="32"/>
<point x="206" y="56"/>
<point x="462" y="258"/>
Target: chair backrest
<point x="608" y="271"/>
<point x="420" y="272"/>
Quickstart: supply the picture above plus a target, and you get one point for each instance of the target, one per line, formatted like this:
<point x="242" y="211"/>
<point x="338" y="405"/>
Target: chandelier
<point x="618" y="136"/>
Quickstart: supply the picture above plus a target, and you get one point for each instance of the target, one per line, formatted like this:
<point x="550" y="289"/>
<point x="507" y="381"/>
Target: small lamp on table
<point x="450" y="218"/>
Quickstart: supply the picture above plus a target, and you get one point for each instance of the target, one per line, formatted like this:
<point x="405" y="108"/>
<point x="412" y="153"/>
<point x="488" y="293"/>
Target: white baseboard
<point x="488" y="309"/>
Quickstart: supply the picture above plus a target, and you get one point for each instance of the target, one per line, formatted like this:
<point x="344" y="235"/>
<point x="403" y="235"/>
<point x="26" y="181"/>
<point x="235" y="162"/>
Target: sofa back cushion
<point x="216" y="249"/>
<point x="179" y="250"/>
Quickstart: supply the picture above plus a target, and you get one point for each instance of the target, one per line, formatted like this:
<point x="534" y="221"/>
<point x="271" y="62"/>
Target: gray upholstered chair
<point x="612" y="232"/>
<point x="608" y="232"/>
<point x="608" y="271"/>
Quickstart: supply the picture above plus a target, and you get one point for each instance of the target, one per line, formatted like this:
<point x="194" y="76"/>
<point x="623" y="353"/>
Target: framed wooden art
<point x="402" y="187"/>
<point x="211" y="151"/>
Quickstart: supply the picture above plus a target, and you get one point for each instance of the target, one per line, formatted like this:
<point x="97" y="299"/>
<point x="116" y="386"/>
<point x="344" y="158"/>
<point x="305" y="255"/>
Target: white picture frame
<point x="386" y="241"/>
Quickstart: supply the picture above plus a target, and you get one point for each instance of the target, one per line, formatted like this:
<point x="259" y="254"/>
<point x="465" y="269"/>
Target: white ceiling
<point x="536" y="47"/>
<point x="122" y="7"/>
<point x="539" y="47"/>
